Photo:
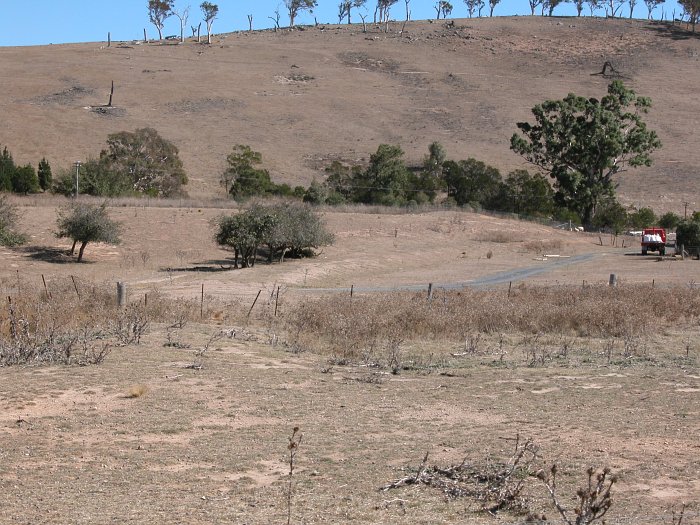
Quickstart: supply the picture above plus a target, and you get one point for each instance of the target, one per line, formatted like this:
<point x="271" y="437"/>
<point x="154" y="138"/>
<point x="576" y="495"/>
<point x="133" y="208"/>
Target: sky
<point x="41" y="22"/>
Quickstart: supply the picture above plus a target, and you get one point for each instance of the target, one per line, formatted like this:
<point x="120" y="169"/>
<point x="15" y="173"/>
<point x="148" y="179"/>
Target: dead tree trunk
<point x="111" y="94"/>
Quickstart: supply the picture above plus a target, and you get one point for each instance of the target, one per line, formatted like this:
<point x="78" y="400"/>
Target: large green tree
<point x="84" y="223"/>
<point x="526" y="194"/>
<point x="583" y="142"/>
<point x="150" y="162"/>
<point x="386" y="180"/>
<point x="471" y="181"/>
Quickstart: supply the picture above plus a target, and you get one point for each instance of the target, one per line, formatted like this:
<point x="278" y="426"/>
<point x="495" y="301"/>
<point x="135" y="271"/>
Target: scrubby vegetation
<point x="351" y="326"/>
<point x="288" y="229"/>
<point x="134" y="163"/>
<point x="9" y="236"/>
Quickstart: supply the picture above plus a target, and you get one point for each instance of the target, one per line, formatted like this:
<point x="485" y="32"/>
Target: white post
<point x="77" y="172"/>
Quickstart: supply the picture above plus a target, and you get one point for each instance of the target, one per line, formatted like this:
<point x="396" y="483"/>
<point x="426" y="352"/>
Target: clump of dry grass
<point x="544" y="246"/>
<point x="497" y="236"/>
<point x="136" y="391"/>
<point x="352" y="327"/>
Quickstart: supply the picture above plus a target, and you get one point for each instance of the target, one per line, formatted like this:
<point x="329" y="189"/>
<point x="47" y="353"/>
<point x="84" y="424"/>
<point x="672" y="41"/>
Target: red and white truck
<point x="654" y="240"/>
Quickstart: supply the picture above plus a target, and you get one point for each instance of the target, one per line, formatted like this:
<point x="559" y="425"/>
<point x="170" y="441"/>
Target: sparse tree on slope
<point x="443" y="8"/>
<point x="84" y="223"/>
<point x="473" y="6"/>
<point x="583" y="142"/>
<point x="692" y="11"/>
<point x="158" y="12"/>
<point x="210" y="12"/>
<point x="594" y="5"/>
<point x="345" y="7"/>
<point x="492" y="6"/>
<point x="533" y="5"/>
<point x="632" y="3"/>
<point x="651" y="5"/>
<point x="294" y="7"/>
<point x="182" y="16"/>
<point x="550" y="5"/>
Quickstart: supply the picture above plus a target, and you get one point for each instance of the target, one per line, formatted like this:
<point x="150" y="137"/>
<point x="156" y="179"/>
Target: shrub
<point x="472" y="181"/>
<point x="669" y="220"/>
<point x="688" y="236"/>
<point x="8" y="221"/>
<point x="25" y="180"/>
<point x="288" y="229"/>
<point x="84" y="223"/>
<point x="44" y="174"/>
<point x="642" y="218"/>
<point x="611" y="215"/>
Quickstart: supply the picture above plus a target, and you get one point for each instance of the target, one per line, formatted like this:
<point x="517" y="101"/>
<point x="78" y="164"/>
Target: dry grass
<point x="544" y="246"/>
<point x="497" y="236"/>
<point x="136" y="391"/>
<point x="349" y="326"/>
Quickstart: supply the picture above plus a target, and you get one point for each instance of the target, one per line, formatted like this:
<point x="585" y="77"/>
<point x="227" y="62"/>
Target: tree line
<point x="160" y="10"/>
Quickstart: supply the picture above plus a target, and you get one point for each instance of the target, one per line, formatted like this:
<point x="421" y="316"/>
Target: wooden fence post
<point x="430" y="291"/>
<point x="613" y="280"/>
<point x="46" y="288"/>
<point x="253" y="305"/>
<point x="75" y="285"/>
<point x="121" y="294"/>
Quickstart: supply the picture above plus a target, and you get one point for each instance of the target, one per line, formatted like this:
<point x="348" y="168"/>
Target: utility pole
<point x="685" y="212"/>
<point x="77" y="173"/>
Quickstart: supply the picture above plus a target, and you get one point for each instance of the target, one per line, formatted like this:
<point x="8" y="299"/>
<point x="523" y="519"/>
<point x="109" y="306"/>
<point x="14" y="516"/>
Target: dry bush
<point x="74" y="322"/>
<point x="497" y="486"/>
<point x="349" y="327"/>
<point x="593" y="501"/>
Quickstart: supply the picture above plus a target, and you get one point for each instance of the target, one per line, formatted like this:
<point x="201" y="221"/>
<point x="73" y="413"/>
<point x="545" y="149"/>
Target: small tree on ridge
<point x="158" y="12"/>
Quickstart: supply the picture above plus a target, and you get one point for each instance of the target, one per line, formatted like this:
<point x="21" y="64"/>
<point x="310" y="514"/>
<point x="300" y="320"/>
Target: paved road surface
<point x="480" y="282"/>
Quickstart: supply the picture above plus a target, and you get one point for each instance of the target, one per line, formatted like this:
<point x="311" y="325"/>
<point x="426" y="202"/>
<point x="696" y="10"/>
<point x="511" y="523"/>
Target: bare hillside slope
<point x="304" y="97"/>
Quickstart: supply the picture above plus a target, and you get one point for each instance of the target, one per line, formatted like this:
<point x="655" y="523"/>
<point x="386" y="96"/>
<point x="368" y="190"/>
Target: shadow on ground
<point x="674" y="32"/>
<point x="51" y="255"/>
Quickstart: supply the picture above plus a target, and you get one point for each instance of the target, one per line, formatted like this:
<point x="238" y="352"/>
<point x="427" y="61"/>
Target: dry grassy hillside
<point x="305" y="97"/>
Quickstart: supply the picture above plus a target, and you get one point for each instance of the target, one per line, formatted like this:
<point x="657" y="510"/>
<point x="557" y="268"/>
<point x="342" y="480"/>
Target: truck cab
<point x="654" y="240"/>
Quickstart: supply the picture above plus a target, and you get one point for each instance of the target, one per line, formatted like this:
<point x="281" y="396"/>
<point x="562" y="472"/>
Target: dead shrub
<point x="496" y="486"/>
